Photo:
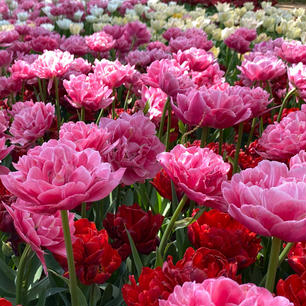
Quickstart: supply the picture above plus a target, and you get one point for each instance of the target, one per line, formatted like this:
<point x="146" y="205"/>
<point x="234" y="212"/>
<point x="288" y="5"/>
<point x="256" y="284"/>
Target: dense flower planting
<point x="153" y="153"/>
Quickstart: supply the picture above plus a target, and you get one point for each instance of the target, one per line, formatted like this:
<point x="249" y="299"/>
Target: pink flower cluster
<point x="222" y="291"/>
<point x="137" y="147"/>
<point x="280" y="141"/>
<point x="198" y="172"/>
<point x="55" y="176"/>
<point x="269" y="199"/>
<point x="220" y="108"/>
<point x="240" y="40"/>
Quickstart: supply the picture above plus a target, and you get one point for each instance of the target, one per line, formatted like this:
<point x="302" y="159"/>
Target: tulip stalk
<point x="57" y="106"/>
<point x="252" y="131"/>
<point x="162" y="121"/>
<point x="168" y="128"/>
<point x="288" y="95"/>
<point x="273" y="263"/>
<point x="170" y="225"/>
<point x="238" y="145"/>
<point x="204" y="136"/>
<point x="99" y="116"/>
<point x="20" y="274"/>
<point x="73" y="284"/>
<point x="285" y="252"/>
<point x="220" y="141"/>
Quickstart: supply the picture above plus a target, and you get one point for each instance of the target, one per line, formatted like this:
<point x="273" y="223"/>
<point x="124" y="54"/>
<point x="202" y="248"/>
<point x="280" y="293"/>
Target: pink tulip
<point x="52" y="64"/>
<point x="31" y="121"/>
<point x="89" y="92"/>
<point x="113" y="74"/>
<point x="280" y="141"/>
<point x="292" y="52"/>
<point x="100" y="42"/>
<point x="222" y="292"/>
<point x="40" y="231"/>
<point x="297" y="78"/>
<point x="270" y="200"/>
<point x="137" y="147"/>
<point x="55" y="176"/>
<point x="198" y="172"/>
<point x="218" y="108"/>
<point x="260" y="67"/>
<point x="86" y="136"/>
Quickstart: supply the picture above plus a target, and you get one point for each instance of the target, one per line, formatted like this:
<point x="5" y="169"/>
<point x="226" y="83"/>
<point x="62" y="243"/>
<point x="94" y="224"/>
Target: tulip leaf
<point x="9" y="273"/>
<point x="147" y="106"/>
<point x="182" y="223"/>
<point x="182" y="127"/>
<point x="81" y="296"/>
<point x="135" y="253"/>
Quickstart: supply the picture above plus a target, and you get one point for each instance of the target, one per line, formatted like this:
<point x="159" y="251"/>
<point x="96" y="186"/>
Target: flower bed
<point x="152" y="154"/>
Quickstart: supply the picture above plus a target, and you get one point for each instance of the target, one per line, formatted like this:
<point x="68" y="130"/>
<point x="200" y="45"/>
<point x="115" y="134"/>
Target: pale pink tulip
<point x="198" y="172"/>
<point x="222" y="292"/>
<point x="89" y="92"/>
<point x="40" y="231"/>
<point x="55" y="176"/>
<point x="270" y="200"/>
<point x="137" y="146"/>
<point x="31" y="121"/>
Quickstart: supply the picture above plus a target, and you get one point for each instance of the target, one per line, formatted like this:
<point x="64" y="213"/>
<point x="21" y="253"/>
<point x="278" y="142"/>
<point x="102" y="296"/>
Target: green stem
<point x="273" y="263"/>
<point x="91" y="296"/>
<point x="83" y="114"/>
<point x="204" y="136"/>
<point x="127" y="98"/>
<point x="168" y="128"/>
<point x="83" y="210"/>
<point x="73" y="285"/>
<point x="170" y="225"/>
<point x="162" y="121"/>
<point x="40" y="90"/>
<point x="20" y="273"/>
<point x="113" y="110"/>
<point x="57" y="106"/>
<point x="220" y="141"/>
<point x="261" y="127"/>
<point x="285" y="252"/>
<point x="238" y="145"/>
<point x="252" y="131"/>
<point x="22" y="91"/>
<point x="281" y="258"/>
<point x="288" y="95"/>
<point x="230" y="64"/>
<point x="99" y="116"/>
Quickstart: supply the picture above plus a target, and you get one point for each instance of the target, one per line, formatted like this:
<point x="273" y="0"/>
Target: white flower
<point x="96" y="11"/>
<point x="76" y="27"/>
<point x="249" y="6"/>
<point x="78" y="15"/>
<point x="64" y="23"/>
<point x="91" y="18"/>
<point x="223" y="7"/>
<point x="226" y="32"/>
<point x="23" y="16"/>
<point x="48" y="26"/>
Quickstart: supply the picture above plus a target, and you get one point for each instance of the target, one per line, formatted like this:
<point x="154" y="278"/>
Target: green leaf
<point x="182" y="127"/>
<point x="96" y="294"/>
<point x="135" y="254"/>
<point x="81" y="296"/>
<point x="107" y="294"/>
<point x="182" y="223"/>
<point x="146" y="108"/>
<point x="7" y="277"/>
<point x="9" y="273"/>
